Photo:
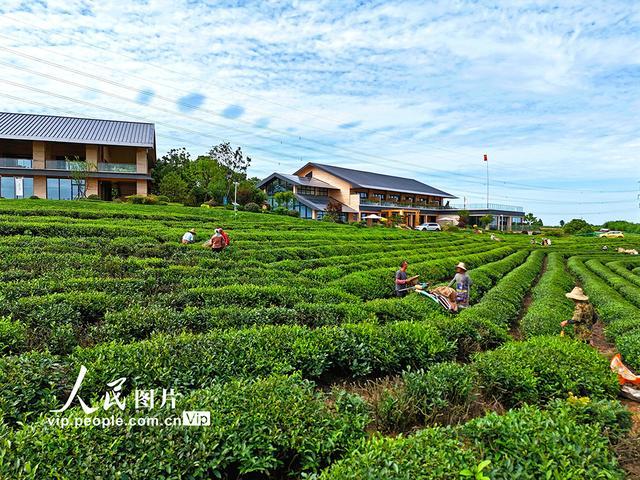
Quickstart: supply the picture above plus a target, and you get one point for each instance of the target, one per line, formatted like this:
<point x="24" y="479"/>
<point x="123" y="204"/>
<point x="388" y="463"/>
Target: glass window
<point x="65" y="189"/>
<point x="53" y="189"/>
<point x="8" y="187"/>
<point x="78" y="189"/>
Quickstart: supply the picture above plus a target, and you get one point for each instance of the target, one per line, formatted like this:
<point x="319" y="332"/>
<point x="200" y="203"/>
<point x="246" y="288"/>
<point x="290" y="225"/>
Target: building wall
<point x="92" y="186"/>
<point x="343" y="194"/>
<point x="91" y="155"/>
<point x="39" y="155"/>
<point x="142" y="165"/>
<point x="40" y="187"/>
<point x="141" y="187"/>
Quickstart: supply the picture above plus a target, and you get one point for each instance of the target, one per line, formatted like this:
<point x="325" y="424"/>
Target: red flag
<point x="486" y="159"/>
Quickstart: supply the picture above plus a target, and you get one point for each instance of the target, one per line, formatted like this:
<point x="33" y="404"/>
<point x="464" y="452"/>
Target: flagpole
<point x="486" y="159"/>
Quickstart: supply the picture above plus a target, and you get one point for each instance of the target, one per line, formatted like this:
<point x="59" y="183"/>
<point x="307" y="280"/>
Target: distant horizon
<point x="549" y="92"/>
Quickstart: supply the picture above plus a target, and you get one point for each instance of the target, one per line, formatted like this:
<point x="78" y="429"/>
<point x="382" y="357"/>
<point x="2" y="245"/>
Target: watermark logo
<point x="196" y="419"/>
<point x="143" y="400"/>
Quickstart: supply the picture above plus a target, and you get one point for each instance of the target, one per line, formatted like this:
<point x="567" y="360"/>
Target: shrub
<point x="252" y="207"/>
<point x="528" y="443"/>
<point x="280" y="211"/>
<point x="549" y="305"/>
<point x="34" y="197"/>
<point x="142" y="199"/>
<point x="13" y="336"/>
<point x="293" y="213"/>
<point x="544" y="368"/>
<point x="629" y="347"/>
<point x="577" y="225"/>
<point x="191" y="361"/>
<point x="276" y="426"/>
<point x="439" y="390"/>
<point x="93" y="196"/>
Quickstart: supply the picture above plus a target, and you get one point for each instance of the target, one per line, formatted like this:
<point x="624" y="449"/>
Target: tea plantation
<point x="293" y="341"/>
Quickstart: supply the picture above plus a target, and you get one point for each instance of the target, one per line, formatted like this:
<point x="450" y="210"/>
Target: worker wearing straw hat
<point x="189" y="237"/>
<point x="462" y="282"/>
<point x="584" y="316"/>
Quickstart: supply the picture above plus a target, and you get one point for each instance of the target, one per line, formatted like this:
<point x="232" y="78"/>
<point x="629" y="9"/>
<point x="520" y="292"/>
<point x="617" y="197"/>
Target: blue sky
<point x="549" y="90"/>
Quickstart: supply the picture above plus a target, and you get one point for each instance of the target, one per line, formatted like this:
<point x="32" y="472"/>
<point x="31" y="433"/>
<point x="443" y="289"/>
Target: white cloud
<point x="551" y="92"/>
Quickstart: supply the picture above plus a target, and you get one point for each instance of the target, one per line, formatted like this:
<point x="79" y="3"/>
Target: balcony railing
<point x="65" y="165"/>
<point x="491" y="206"/>
<point x="429" y="206"/>
<point x="117" y="167"/>
<point x="386" y="203"/>
<point x="16" y="162"/>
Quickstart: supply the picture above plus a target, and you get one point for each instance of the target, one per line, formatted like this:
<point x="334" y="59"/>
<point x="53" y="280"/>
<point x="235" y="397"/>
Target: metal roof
<point x="301" y="181"/>
<point x="26" y="126"/>
<point x="321" y="203"/>
<point x="378" y="181"/>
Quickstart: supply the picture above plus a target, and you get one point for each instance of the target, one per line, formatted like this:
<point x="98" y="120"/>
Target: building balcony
<point x="65" y="165"/>
<point x="429" y="206"/>
<point x="16" y="162"/>
<point x="490" y="206"/>
<point x="117" y="167"/>
<point x="81" y="165"/>
<point x="385" y="203"/>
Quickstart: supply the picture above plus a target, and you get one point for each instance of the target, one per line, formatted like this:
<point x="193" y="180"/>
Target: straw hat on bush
<point x="577" y="294"/>
<point x="193" y="230"/>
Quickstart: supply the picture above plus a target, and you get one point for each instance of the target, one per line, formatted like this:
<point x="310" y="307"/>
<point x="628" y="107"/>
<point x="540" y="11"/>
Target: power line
<point x="353" y="152"/>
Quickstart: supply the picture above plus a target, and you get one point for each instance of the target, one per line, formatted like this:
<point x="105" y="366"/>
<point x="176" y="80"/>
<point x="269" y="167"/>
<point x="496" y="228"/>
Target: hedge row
<point x="572" y="439"/>
<point x="622" y="285"/>
<point x="36" y="382"/>
<point x="379" y="283"/>
<point x="623" y="268"/>
<point x="549" y="305"/>
<point x="278" y="426"/>
<point x="621" y="317"/>
<point x="544" y="368"/>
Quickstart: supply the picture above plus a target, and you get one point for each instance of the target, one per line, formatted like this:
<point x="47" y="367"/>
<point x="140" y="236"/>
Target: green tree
<point x="173" y="186"/>
<point x="464" y="218"/>
<point x="486" y="220"/>
<point x="577" y="225"/>
<point x="248" y="192"/>
<point x="234" y="162"/>
<point x="175" y="160"/>
<point x="533" y="221"/>
<point x="206" y="177"/>
<point x="562" y="223"/>
<point x="284" y="199"/>
<point x="333" y="212"/>
<point x="80" y="171"/>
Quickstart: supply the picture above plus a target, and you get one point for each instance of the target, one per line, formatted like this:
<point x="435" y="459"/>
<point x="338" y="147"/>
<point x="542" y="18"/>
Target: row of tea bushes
<point x="549" y="305"/>
<point x="628" y="290"/>
<point x="570" y="439"/>
<point x="277" y="427"/>
<point x="378" y="283"/>
<point x="624" y="269"/>
<point x="622" y="319"/>
<point x="35" y="382"/>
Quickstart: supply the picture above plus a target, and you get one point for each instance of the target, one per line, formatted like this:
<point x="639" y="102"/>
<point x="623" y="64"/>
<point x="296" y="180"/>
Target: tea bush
<point x="544" y="368"/>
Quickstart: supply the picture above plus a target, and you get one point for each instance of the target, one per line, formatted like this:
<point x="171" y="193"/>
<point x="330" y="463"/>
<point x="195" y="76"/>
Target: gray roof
<point x="321" y="203"/>
<point x="302" y="181"/>
<point x="378" y="181"/>
<point x="25" y="126"/>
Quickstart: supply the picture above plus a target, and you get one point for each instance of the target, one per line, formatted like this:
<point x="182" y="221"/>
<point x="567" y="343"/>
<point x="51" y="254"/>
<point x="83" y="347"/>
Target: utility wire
<point x="522" y="185"/>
